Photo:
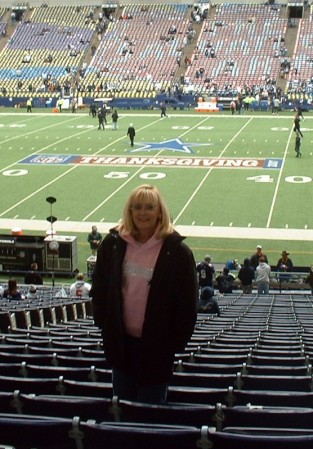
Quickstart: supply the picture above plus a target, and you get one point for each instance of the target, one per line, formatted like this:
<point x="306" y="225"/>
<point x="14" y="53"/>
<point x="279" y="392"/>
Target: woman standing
<point x="145" y="296"/>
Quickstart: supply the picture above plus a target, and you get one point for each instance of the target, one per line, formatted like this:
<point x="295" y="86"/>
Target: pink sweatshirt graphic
<point x="138" y="267"/>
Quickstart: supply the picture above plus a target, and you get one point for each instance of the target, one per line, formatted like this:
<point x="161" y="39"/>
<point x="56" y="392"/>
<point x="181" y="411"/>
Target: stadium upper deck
<point x="132" y="52"/>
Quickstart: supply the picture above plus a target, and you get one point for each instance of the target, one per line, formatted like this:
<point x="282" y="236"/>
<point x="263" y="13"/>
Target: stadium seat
<point x="271" y="417"/>
<point x="32" y="385"/>
<point x="198" y="395"/>
<point x="203" y="380"/>
<point x="25" y="431"/>
<point x="172" y="413"/>
<point x="275" y="383"/>
<point x="142" y="436"/>
<point x="99" y="409"/>
<point x="268" y="398"/>
<point x="260" y="438"/>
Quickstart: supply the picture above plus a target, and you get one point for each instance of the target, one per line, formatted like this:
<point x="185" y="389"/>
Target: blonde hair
<point x="149" y="194"/>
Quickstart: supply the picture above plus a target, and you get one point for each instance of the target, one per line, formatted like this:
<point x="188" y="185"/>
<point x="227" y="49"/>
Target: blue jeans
<point x="263" y="288"/>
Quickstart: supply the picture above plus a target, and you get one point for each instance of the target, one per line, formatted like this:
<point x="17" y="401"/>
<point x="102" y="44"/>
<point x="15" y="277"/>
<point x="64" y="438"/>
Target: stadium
<point x="232" y="180"/>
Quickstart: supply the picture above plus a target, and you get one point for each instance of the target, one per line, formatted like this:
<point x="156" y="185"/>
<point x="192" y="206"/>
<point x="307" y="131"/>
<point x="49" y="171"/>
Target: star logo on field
<point x="170" y="145"/>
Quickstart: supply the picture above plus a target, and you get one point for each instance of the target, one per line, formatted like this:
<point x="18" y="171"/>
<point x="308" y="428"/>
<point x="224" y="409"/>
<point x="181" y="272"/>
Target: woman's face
<point x="145" y="216"/>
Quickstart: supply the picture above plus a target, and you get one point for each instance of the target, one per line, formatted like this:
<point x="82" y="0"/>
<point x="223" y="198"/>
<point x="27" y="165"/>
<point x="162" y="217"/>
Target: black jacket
<point x="171" y="307"/>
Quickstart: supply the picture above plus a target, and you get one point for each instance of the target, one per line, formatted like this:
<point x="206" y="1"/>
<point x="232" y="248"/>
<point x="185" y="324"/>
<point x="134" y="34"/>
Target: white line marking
<point x="269" y="219"/>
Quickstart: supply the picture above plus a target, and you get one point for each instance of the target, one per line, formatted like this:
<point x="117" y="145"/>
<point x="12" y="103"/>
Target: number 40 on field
<point x="291" y="179"/>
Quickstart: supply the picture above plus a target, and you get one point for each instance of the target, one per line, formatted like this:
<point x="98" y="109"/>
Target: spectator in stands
<point x="284" y="265"/>
<point x="263" y="272"/>
<point x="172" y="29"/>
<point x="233" y="265"/>
<point x="309" y="279"/>
<point x="254" y="260"/>
<point x="94" y="239"/>
<point x="131" y="134"/>
<point x="80" y="288"/>
<point x="206" y="272"/>
<point x="207" y="302"/>
<point x="145" y="297"/>
<point x="284" y="262"/>
<point x="225" y="281"/>
<point x="12" y="291"/>
<point x="32" y="276"/>
<point x="246" y="276"/>
<point x="32" y="292"/>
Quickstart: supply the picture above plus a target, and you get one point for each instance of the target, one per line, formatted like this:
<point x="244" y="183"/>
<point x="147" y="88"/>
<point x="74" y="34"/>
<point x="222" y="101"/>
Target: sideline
<point x="188" y="231"/>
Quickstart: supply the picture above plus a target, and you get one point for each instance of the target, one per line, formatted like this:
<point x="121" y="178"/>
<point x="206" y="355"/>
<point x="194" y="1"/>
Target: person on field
<point x="29" y="105"/>
<point x="296" y="124"/>
<point x="298" y="144"/>
<point x="131" y="134"/>
<point x="100" y="120"/>
<point x="114" y="119"/>
<point x="163" y="111"/>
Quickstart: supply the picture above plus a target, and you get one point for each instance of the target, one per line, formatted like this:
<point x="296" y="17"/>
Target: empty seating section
<point x="249" y="367"/>
<point x="2" y="23"/>
<point x="137" y="53"/>
<point x="244" y="38"/>
<point x="300" y="80"/>
<point x="59" y="33"/>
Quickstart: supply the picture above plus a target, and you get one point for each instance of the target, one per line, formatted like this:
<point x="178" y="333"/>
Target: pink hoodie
<point x="138" y="267"/>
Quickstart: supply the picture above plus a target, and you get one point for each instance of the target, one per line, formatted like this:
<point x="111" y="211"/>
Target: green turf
<point x="217" y="196"/>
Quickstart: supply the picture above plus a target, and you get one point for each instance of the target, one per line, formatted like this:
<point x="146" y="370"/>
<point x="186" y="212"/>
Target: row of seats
<point x="232" y="376"/>
<point x="74" y="433"/>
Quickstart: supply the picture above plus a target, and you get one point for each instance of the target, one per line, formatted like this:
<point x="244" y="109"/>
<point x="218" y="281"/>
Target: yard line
<point x="278" y="181"/>
<point x="49" y="183"/>
<point x="136" y="173"/>
<point x="36" y="191"/>
<point x="235" y="136"/>
<point x="60" y="176"/>
<point x="18" y="136"/>
<point x="42" y="149"/>
<point x="208" y="173"/>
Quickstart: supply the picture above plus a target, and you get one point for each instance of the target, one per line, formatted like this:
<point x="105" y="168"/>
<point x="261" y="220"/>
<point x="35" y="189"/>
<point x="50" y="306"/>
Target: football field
<point x="231" y="182"/>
